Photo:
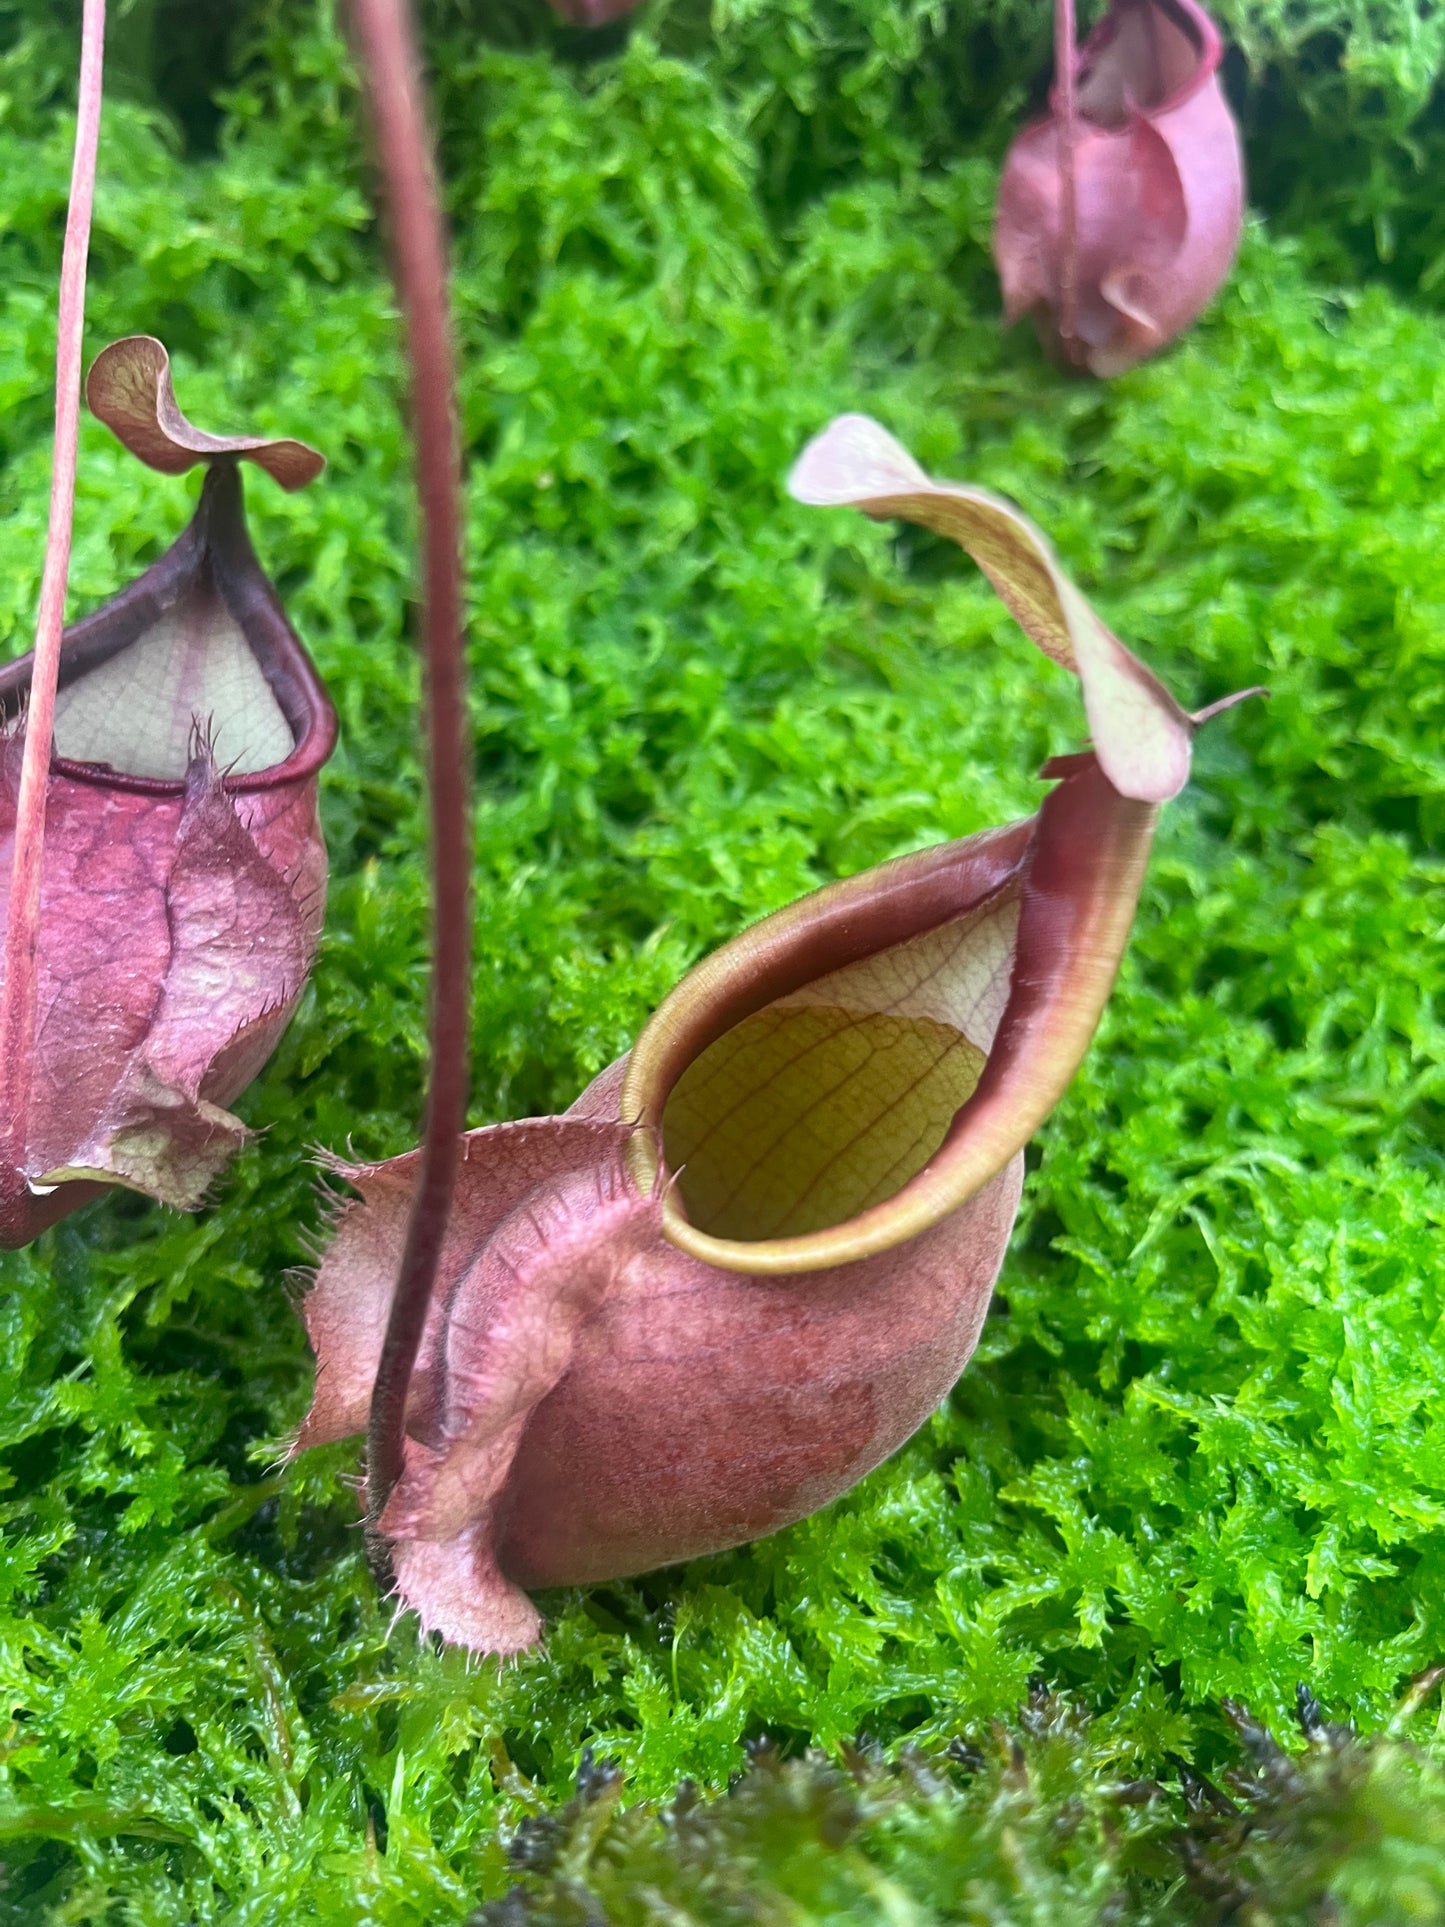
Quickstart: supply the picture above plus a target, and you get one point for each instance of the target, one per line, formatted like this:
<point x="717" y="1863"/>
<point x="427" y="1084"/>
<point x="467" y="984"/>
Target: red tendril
<point x="1065" y="74"/>
<point x="22" y="929"/>
<point x="386" y="41"/>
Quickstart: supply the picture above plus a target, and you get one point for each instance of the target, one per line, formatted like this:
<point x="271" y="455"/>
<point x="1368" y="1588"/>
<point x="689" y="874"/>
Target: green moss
<point x="1199" y="1452"/>
<point x="1034" y="1827"/>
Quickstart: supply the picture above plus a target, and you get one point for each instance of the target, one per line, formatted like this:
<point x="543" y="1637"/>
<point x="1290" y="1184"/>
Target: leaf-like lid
<point x="1141" y="735"/>
<point x="129" y="389"/>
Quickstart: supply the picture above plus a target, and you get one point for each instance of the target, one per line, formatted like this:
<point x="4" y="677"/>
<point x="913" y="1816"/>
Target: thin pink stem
<point x="386" y="40"/>
<point x="1066" y="118"/>
<point x="22" y="927"/>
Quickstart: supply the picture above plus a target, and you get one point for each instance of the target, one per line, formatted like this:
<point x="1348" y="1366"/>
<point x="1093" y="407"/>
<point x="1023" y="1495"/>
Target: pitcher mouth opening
<point x="196" y="653"/>
<point x="1134" y="63"/>
<point x="982" y="967"/>
<point x="796" y="1085"/>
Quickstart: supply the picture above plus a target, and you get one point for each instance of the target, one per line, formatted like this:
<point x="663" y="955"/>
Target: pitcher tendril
<point x="386" y="42"/>
<point x="1066" y="57"/>
<point x="22" y="930"/>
